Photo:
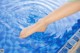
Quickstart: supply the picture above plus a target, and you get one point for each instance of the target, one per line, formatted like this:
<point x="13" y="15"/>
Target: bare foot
<point x="38" y="27"/>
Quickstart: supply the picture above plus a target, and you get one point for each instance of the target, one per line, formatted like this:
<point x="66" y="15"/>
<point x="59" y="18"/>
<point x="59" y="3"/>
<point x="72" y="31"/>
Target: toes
<point x="22" y="36"/>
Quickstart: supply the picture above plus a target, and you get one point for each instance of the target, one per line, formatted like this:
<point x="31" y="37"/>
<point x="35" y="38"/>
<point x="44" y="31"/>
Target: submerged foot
<point x="38" y="27"/>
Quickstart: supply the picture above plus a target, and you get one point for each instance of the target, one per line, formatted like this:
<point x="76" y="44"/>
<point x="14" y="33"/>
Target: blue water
<point x="18" y="14"/>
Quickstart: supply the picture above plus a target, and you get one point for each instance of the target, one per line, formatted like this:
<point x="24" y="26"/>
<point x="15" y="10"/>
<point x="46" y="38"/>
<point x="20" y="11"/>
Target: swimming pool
<point x="17" y="14"/>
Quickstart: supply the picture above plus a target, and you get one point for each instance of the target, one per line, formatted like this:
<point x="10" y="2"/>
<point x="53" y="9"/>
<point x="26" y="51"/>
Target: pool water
<point x="18" y="14"/>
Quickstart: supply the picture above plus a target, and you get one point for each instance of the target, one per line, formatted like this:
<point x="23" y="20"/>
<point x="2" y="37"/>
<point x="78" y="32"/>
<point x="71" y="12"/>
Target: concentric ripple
<point x="17" y="14"/>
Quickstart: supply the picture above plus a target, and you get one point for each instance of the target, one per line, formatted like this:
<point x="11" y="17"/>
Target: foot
<point x="38" y="27"/>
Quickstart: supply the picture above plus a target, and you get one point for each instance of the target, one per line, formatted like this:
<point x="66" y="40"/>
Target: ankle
<point x="41" y="21"/>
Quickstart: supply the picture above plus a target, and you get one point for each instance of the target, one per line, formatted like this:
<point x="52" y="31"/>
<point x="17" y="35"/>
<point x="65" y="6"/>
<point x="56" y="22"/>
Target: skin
<point x="66" y="10"/>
